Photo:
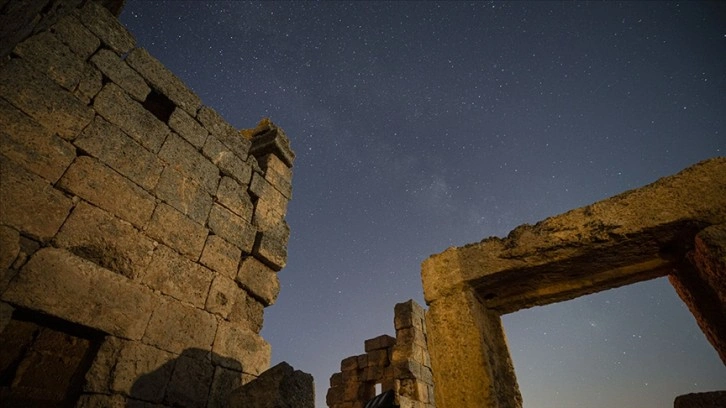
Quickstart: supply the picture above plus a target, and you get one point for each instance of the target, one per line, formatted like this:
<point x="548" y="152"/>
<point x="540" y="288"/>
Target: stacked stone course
<point x="129" y="208"/>
<point x="400" y="364"/>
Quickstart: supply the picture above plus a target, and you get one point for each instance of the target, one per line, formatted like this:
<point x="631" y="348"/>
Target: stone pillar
<point x="469" y="355"/>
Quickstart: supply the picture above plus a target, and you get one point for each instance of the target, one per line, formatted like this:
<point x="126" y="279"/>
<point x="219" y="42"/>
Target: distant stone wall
<point x="132" y="212"/>
<point x="401" y="364"/>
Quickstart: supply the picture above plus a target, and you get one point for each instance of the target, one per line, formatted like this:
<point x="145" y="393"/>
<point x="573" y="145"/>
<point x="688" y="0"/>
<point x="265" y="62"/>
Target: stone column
<point x="469" y="355"/>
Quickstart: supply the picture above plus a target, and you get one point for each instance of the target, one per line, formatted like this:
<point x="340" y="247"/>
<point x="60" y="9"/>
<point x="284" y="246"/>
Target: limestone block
<point x="271" y="246"/>
<point x="247" y="312"/>
<point x="226" y="134"/>
<point x="222" y="295"/>
<point x="99" y="375"/>
<point x="381" y="342"/>
<point x="163" y="80"/>
<point x="373" y="373"/>
<point x="259" y="280"/>
<point x="273" y="141"/>
<point x="178" y="277"/>
<point x="235" y="197"/>
<point x="117" y="150"/>
<point x="106" y="27"/>
<point x="250" y="350"/>
<point x="334" y="396"/>
<point x="43" y="100"/>
<point x="228" y="162"/>
<point x="184" y="157"/>
<point x="190" y="383"/>
<point x="100" y="185"/>
<point x="268" y="215"/>
<point x="363" y="360"/>
<point x="91" y="83"/>
<point x="142" y="371"/>
<point x="176" y="230"/>
<point x="9" y="246"/>
<point x="281" y="387"/>
<point x="49" y="55"/>
<point x="277" y="174"/>
<point x="224" y="382"/>
<point x="349" y="364"/>
<point x="221" y="256"/>
<point x="102" y="401"/>
<point x="29" y="204"/>
<point x="107" y="241"/>
<point x="119" y="72"/>
<point x="409" y="314"/>
<point x="188" y="128"/>
<point x="378" y="358"/>
<point x="118" y="108"/>
<point x="175" y="327"/>
<point x="31" y="145"/>
<point x="77" y="37"/>
<point x="407" y="369"/>
<point x="410" y="335"/>
<point x="59" y="283"/>
<point x="232" y="228"/>
<point x="710" y="258"/>
<point x="185" y="194"/>
<point x="336" y="380"/>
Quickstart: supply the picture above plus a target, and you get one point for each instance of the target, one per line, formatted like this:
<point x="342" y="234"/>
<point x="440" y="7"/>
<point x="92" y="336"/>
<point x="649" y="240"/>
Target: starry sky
<point x="419" y="126"/>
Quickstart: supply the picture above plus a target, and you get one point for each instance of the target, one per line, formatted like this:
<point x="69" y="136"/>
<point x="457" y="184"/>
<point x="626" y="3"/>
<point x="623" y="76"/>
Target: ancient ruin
<point x="400" y="364"/>
<point x="140" y="233"/>
<point x="675" y="227"/>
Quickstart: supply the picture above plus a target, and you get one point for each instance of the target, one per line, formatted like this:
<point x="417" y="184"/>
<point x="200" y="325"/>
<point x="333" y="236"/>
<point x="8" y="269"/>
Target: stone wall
<point x="132" y="211"/>
<point x="401" y="364"/>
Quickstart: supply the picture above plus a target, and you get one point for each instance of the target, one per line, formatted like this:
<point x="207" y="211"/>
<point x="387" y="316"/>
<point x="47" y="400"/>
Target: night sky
<point x="419" y="126"/>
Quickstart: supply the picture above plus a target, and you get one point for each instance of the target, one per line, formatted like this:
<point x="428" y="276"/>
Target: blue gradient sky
<point x="419" y="126"/>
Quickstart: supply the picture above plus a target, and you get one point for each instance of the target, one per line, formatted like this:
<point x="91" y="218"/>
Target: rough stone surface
<point x="188" y="128"/>
<point x="90" y="85"/>
<point x="175" y="327"/>
<point x="120" y="152"/>
<point x="228" y="162"/>
<point x="106" y="27"/>
<point x="226" y="134"/>
<point x="179" y="232"/>
<point x="271" y="246"/>
<point x="225" y="381"/>
<point x="184" y="157"/>
<point x="279" y="387"/>
<point x="277" y="174"/>
<point x="185" y="194"/>
<point x="235" y="197"/>
<point x="242" y="345"/>
<point x="82" y="292"/>
<point x="259" y="280"/>
<point x="232" y="228"/>
<point x="100" y="185"/>
<point x="715" y="399"/>
<point x="190" y="383"/>
<point x="119" y="72"/>
<point x="77" y="37"/>
<point x="272" y="140"/>
<point x="247" y="312"/>
<point x="222" y="295"/>
<point x="99" y="375"/>
<point x="46" y="53"/>
<point x="9" y="246"/>
<point x="178" y="277"/>
<point x="136" y="360"/>
<point x="221" y="256"/>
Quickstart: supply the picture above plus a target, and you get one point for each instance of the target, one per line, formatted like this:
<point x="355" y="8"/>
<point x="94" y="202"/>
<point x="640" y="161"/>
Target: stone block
<point x="91" y="83"/>
<point x="228" y="162"/>
<point x="247" y="312"/>
<point x="222" y="295"/>
<point x="381" y="342"/>
<point x="349" y="364"/>
<point x="231" y="227"/>
<point x="185" y="194"/>
<point x="378" y="357"/>
<point x="259" y="280"/>
<point x="77" y="37"/>
<point x="226" y="134"/>
<point x="130" y="116"/>
<point x="100" y="185"/>
<point x="82" y="292"/>
<point x="29" y="144"/>
<point x="29" y="204"/>
<point x="176" y="230"/>
<point x="277" y="174"/>
<point x="409" y="314"/>
<point x="107" y="241"/>
<point x="273" y="141"/>
<point x="281" y="387"/>
<point x="142" y="371"/>
<point x="410" y="336"/>
<point x="175" y="327"/>
<point x="119" y="72"/>
<point x="271" y="246"/>
<point x="43" y="100"/>
<point x="235" y="197"/>
<point x="221" y="256"/>
<point x="163" y="80"/>
<point x="178" y="277"/>
<point x="99" y="375"/>
<point x="407" y="369"/>
<point x="47" y="54"/>
<point x="336" y="380"/>
<point x="184" y="157"/>
<point x="188" y="128"/>
<point x="190" y="383"/>
<point x="106" y="27"/>
<point x="117" y="150"/>
<point x="224" y="382"/>
<point x="250" y="350"/>
<point x="9" y="246"/>
<point x="268" y="215"/>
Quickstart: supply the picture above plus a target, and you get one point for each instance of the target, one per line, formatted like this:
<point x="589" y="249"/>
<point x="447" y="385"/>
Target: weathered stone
<point x="94" y="182"/>
<point x="409" y="314"/>
<point x="77" y="37"/>
<point x="259" y="280"/>
<point x="91" y="83"/>
<point x="188" y="128"/>
<point x="714" y="399"/>
<point x="229" y="164"/>
<point x="247" y="312"/>
<point x="243" y="345"/>
<point x="185" y="194"/>
<point x="42" y="99"/>
<point x="120" y="152"/>
<point x="9" y="246"/>
<point x="99" y="375"/>
<point x="175" y="327"/>
<point x="29" y="203"/>
<point x="106" y="27"/>
<point x="119" y="72"/>
<point x="232" y="228"/>
<point x="97" y="236"/>
<point x="349" y="364"/>
<point x="142" y="371"/>
<point x="224" y="382"/>
<point x="49" y="55"/>
<point x="176" y="230"/>
<point x="272" y="141"/>
<point x="222" y="295"/>
<point x="281" y="387"/>
<point x="178" y="277"/>
<point x="226" y="134"/>
<point x="184" y="157"/>
<point x="163" y="80"/>
<point x="118" y="108"/>
<point x="378" y="343"/>
<point x="31" y="145"/>
<point x="235" y="197"/>
<point x="271" y="246"/>
<point x="190" y="383"/>
<point x="82" y="292"/>
<point x="277" y="174"/>
<point x="271" y="205"/>
<point x="102" y="401"/>
<point x="221" y="256"/>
